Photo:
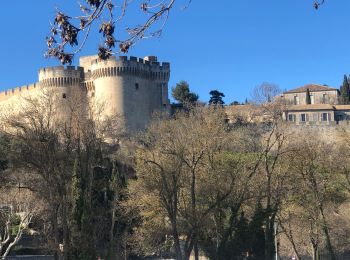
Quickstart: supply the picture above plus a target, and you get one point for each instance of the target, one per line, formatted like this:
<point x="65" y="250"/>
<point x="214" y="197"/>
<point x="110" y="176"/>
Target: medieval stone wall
<point x="130" y="88"/>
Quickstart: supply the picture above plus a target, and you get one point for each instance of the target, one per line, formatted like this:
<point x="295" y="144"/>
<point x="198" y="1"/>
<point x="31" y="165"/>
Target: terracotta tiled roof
<point x="311" y="87"/>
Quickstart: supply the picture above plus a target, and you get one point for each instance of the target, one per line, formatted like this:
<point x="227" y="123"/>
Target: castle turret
<point x="61" y="77"/>
<point x="131" y="88"/>
<point x="65" y="83"/>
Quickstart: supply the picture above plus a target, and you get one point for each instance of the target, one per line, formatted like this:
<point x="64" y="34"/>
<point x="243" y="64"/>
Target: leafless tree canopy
<point x="317" y="3"/>
<point x="265" y="93"/>
<point x="69" y="33"/>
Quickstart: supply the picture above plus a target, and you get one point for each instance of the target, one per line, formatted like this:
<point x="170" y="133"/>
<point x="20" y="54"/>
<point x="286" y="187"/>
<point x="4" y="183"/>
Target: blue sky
<point x="229" y="45"/>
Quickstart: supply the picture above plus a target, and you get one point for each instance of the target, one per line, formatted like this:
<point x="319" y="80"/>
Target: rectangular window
<point x="324" y="117"/>
<point x="325" y="99"/>
<point x="312" y="98"/>
<point x="296" y="100"/>
<point x="291" y="118"/>
<point x="303" y="117"/>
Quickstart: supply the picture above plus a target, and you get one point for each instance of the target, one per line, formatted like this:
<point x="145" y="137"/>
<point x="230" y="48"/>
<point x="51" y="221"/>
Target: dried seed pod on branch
<point x="68" y="34"/>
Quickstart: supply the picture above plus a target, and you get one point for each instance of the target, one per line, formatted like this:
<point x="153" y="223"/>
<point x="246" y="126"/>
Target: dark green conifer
<point x="216" y="98"/>
<point x="345" y="91"/>
<point x="181" y="93"/>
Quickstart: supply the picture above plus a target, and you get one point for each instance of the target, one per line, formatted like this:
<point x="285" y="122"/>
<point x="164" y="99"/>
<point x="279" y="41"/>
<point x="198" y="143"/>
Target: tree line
<point x="191" y="184"/>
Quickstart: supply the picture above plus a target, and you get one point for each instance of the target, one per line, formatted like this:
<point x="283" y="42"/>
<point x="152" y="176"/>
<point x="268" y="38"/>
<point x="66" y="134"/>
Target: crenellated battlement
<point x="132" y="61"/>
<point x="61" y="76"/>
<point x="61" y="72"/>
<point x="138" y="67"/>
<point x="4" y="95"/>
<point x="132" y="71"/>
<point x="130" y="88"/>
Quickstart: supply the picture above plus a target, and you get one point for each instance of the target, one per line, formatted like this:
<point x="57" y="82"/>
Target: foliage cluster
<point x="190" y="185"/>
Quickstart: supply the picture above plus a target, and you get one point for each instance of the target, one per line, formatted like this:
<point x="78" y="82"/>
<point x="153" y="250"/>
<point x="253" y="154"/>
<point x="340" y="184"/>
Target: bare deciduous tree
<point x="109" y="16"/>
<point x="16" y="212"/>
<point x="57" y="140"/>
<point x="71" y="30"/>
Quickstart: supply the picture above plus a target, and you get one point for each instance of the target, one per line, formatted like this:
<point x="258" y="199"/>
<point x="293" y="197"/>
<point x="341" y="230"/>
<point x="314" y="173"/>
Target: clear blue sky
<point x="230" y="45"/>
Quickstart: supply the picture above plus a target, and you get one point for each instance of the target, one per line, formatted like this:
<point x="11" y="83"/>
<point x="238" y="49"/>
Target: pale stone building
<point x="130" y="88"/>
<point x="323" y="109"/>
<point x="318" y="95"/>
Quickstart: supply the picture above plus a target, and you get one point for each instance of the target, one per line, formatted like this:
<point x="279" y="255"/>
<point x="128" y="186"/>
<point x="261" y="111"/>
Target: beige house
<point x="318" y="95"/>
<point x="317" y="114"/>
<point x="323" y="108"/>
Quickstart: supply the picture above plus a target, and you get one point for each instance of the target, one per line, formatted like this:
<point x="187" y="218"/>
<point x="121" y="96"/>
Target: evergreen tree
<point x="256" y="232"/>
<point x="241" y="236"/>
<point x="216" y="98"/>
<point x="4" y="147"/>
<point x="181" y="93"/>
<point x="345" y="91"/>
<point x="308" y="97"/>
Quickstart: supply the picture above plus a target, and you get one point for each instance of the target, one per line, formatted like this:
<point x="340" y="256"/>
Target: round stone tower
<point x="131" y="88"/>
<point x="65" y="84"/>
<point x="64" y="79"/>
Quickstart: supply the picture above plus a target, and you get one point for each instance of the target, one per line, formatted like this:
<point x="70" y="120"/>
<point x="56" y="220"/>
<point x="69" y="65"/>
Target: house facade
<point x="314" y="104"/>
<point x="319" y="94"/>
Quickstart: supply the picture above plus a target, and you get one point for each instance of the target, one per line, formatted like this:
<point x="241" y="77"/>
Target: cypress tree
<point x="344" y="91"/>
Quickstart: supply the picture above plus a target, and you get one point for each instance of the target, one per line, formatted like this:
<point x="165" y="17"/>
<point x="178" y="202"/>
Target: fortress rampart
<point x="61" y="76"/>
<point x="131" y="88"/>
<point x="5" y="95"/>
<point x="134" y="66"/>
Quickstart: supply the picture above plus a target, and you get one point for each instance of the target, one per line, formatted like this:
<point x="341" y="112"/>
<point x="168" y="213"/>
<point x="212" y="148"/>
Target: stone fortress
<point x="129" y="87"/>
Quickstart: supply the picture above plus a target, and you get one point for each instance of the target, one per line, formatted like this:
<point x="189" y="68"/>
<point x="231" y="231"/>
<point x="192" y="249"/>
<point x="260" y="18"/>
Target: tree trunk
<point x="315" y="252"/>
<point x="55" y="231"/>
<point x="196" y="250"/>
<point x="326" y="233"/>
<point x="194" y="214"/>
<point x="66" y="239"/>
<point x="112" y="254"/>
<point x="289" y="236"/>
<point x="269" y="239"/>
<point x="296" y="253"/>
<point x="188" y="246"/>
<point x="176" y="239"/>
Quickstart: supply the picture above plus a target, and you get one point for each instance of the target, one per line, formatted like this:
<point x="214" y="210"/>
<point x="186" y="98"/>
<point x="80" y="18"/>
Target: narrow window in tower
<point x="136" y="86"/>
<point x="64" y="95"/>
